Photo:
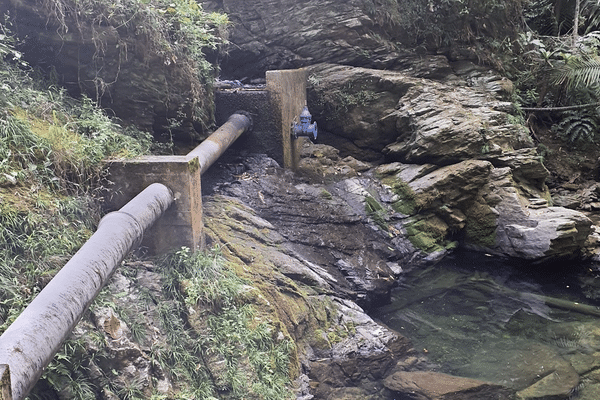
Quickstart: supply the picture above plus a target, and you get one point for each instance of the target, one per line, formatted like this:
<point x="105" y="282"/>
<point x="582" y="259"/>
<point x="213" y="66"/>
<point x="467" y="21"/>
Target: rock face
<point x="331" y="236"/>
<point x="284" y="34"/>
<point x="269" y="34"/>
<point x="314" y="259"/>
<point x="115" y="64"/>
<point x="460" y="164"/>
<point x="413" y="119"/>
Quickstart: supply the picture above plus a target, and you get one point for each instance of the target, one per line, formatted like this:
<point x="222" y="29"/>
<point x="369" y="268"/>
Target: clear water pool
<point x="525" y="327"/>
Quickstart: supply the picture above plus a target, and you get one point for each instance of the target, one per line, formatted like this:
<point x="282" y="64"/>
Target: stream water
<point x="501" y="321"/>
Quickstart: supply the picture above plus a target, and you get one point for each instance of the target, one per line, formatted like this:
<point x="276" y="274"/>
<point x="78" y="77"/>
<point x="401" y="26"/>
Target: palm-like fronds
<point x="591" y="8"/>
<point x="580" y="72"/>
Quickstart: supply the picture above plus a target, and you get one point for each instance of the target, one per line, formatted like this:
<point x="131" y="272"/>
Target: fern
<point x="591" y="8"/>
<point x="581" y="71"/>
<point x="577" y="127"/>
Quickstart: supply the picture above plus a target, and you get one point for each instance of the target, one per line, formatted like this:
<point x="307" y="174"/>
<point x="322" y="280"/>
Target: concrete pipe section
<point x="30" y="343"/>
<point x="210" y="149"/>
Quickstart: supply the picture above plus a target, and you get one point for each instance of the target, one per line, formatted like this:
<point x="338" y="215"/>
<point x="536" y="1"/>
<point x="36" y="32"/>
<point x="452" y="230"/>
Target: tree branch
<point x="565" y="108"/>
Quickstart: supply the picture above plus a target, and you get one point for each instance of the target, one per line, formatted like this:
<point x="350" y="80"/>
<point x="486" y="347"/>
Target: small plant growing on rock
<point x="376" y="212"/>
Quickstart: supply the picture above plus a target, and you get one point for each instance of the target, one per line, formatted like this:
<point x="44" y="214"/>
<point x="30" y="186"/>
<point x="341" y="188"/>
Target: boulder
<point x="428" y="385"/>
<point x="527" y="228"/>
<point x="358" y="104"/>
<point x="418" y="121"/>
<point x="360" y="360"/>
<point x="494" y="213"/>
<point x="318" y="223"/>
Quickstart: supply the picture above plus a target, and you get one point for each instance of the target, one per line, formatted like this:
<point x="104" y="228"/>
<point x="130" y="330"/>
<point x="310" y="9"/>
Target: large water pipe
<point x="210" y="149"/>
<point x="31" y="341"/>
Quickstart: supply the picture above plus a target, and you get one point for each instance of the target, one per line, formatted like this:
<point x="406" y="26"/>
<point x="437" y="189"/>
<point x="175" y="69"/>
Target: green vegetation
<point x="255" y="353"/>
<point x="556" y="68"/>
<point x="376" y="212"/>
<point x="578" y="127"/>
<point x="51" y="148"/>
<point x="222" y="349"/>
<point x="324" y="194"/>
<point x="481" y="226"/>
<point x="428" y="234"/>
<point x="179" y="31"/>
<point x="407" y="202"/>
<point x="445" y="23"/>
<point x="553" y="59"/>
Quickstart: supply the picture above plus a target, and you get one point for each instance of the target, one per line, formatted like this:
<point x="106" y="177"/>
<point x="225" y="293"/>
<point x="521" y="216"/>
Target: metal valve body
<point x="304" y="128"/>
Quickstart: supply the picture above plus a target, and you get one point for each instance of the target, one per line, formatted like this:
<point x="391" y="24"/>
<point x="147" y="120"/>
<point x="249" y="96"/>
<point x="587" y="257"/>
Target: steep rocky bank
<point x="420" y="152"/>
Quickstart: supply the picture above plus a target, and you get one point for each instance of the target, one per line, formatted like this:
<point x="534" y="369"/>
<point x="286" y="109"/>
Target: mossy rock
<point x="376" y="212"/>
<point x="428" y="234"/>
<point x="408" y="202"/>
<point x="481" y="226"/>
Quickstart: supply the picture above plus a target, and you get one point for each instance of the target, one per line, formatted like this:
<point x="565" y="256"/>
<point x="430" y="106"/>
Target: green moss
<point x="428" y="234"/>
<point x="321" y="340"/>
<point x="480" y="228"/>
<point x="408" y="202"/>
<point x="228" y="325"/>
<point x="376" y="212"/>
<point x="194" y="165"/>
<point x="324" y="194"/>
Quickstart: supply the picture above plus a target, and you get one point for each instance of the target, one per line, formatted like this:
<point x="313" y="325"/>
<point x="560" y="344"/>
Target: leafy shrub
<point x="577" y="127"/>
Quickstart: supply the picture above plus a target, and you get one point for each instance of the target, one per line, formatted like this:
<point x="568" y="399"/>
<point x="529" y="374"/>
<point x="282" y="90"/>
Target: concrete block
<point x="182" y="224"/>
<point x="264" y="137"/>
<point x="287" y="90"/>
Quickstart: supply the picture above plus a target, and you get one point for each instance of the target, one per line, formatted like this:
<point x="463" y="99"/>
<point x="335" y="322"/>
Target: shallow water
<point x="501" y="321"/>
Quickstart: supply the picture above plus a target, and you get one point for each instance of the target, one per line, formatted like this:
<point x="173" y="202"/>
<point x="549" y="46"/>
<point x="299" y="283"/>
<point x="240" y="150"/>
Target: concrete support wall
<point x="264" y="137"/>
<point x="182" y="223"/>
<point x="287" y="90"/>
<point x="270" y="112"/>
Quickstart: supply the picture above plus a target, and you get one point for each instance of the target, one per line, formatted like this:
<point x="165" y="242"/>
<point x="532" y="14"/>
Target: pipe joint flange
<point x="247" y="115"/>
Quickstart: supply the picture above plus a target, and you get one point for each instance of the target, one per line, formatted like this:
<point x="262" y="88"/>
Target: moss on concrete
<point x="194" y="165"/>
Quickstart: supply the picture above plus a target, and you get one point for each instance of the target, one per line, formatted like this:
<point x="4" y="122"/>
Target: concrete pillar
<point x="287" y="89"/>
<point x="182" y="223"/>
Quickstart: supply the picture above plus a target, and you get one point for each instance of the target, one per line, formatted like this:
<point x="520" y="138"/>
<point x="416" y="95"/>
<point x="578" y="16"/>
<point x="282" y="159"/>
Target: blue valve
<point x="304" y="128"/>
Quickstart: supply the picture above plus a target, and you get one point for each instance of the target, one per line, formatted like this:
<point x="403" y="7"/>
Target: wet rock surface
<point x="314" y="259"/>
<point x="433" y="385"/>
<point x="316" y="224"/>
<point x="284" y="223"/>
